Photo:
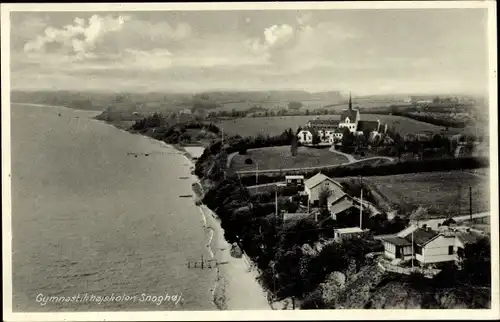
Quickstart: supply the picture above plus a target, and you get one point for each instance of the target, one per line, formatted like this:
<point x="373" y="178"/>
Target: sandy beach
<point x="236" y="286"/>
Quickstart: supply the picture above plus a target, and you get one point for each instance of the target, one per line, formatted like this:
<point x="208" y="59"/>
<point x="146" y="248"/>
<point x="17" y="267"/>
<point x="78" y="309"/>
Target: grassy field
<point x="437" y="191"/>
<point x="277" y="124"/>
<point x="281" y="158"/>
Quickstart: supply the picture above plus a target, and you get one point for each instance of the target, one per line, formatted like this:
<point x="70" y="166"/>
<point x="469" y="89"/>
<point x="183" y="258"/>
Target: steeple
<point x="350" y="102"/>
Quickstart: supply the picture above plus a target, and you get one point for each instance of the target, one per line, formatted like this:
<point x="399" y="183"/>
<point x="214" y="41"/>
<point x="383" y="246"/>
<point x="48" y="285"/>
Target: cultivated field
<point x="281" y="158"/>
<point x="437" y="191"/>
<point x="275" y="125"/>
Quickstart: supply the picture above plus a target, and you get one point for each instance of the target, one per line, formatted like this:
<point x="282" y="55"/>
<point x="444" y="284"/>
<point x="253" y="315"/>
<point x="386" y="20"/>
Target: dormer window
<point x="347" y="120"/>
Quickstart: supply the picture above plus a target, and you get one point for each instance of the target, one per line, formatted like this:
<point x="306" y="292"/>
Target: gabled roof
<point x="351" y="114"/>
<point x="407" y="231"/>
<point x="342" y="204"/>
<point x="422" y="237"/>
<point x="334" y="198"/>
<point x="294" y="177"/>
<point x="398" y="241"/>
<point x="324" y="122"/>
<point x="317" y="179"/>
<point x="368" y="125"/>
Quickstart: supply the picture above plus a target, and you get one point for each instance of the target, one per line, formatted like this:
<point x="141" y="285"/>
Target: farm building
<point x="318" y="183"/>
<point x="339" y="205"/>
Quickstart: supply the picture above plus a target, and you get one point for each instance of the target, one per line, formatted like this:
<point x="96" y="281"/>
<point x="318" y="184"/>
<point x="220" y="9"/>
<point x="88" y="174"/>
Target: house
<point x="427" y="245"/>
<point x="318" y="183"/>
<point x="305" y="136"/>
<point x="294" y="180"/>
<point x="396" y="247"/>
<point x="331" y="123"/>
<point x="186" y="111"/>
<point x="370" y="126"/>
<point x="431" y="247"/>
<point x="342" y="234"/>
<point x="338" y="205"/>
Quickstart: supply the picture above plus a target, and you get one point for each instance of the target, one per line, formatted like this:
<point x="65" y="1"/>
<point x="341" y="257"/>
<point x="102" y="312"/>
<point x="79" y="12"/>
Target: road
<point x="312" y="168"/>
<point x="433" y="223"/>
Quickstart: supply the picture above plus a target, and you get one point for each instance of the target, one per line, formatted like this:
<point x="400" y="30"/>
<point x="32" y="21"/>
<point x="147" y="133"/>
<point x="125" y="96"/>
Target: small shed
<point x="294" y="180"/>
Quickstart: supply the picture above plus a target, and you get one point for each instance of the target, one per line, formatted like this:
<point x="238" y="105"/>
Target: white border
<point x="493" y="313"/>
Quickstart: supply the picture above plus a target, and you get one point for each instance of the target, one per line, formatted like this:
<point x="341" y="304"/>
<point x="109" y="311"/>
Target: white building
<point x="427" y="245"/>
<point x="349" y="118"/>
<point x="342" y="234"/>
<point x="319" y="182"/>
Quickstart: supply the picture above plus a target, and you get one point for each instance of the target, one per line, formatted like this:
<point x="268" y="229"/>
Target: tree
<point x="347" y="138"/>
<point x="477" y="262"/>
<point x="294" y="105"/>
<point x="323" y="198"/>
<point x="294" y="145"/>
<point x="315" y="137"/>
<point x="307" y="112"/>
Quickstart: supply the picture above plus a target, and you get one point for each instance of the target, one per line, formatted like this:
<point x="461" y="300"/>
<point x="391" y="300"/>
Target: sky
<point x="364" y="51"/>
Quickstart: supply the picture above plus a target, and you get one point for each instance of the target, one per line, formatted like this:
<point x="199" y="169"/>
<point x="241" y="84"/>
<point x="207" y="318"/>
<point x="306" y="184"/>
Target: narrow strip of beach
<point x="236" y="286"/>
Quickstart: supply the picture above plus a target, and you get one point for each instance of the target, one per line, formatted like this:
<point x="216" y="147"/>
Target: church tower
<point x="350" y="102"/>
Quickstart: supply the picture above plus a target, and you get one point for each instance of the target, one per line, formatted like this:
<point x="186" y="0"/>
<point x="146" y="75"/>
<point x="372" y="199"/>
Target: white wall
<point x="315" y="191"/>
<point x="437" y="251"/>
<point x="390" y="251"/>
<point x="308" y="136"/>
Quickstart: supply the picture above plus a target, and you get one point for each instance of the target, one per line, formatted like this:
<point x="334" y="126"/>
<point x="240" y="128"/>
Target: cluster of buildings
<point x="424" y="242"/>
<point x="331" y="131"/>
<point x="338" y="202"/>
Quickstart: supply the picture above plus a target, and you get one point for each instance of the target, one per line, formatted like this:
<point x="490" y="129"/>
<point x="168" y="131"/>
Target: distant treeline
<point x="404" y="167"/>
<point x="431" y="119"/>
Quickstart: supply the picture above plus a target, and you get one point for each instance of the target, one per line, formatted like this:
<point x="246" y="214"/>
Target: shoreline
<point x="232" y="274"/>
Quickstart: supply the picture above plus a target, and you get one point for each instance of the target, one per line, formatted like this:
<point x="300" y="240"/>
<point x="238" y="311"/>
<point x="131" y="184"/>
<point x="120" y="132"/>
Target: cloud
<point x="302" y="46"/>
<point x="101" y="35"/>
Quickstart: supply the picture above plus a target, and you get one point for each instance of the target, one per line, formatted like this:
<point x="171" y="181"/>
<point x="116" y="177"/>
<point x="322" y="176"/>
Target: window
<point x="450" y="250"/>
<point x="418" y="250"/>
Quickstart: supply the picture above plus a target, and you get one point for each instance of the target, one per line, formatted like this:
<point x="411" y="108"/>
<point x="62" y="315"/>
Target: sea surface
<point x="97" y="212"/>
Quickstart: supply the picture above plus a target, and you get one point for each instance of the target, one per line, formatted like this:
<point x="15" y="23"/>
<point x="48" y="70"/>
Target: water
<point x="89" y="217"/>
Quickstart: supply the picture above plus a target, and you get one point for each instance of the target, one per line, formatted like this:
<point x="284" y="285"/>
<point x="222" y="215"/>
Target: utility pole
<point x="276" y="201"/>
<point x="222" y="137"/>
<point x="361" y="211"/>
<point x="412" y="249"/>
<point x="459" y="199"/>
<point x="470" y="202"/>
<point x="257" y="174"/>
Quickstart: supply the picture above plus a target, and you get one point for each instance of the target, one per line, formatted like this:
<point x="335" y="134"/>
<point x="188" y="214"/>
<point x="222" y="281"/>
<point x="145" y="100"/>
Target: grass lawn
<point x="437" y="191"/>
<point x="281" y="158"/>
<point x="250" y="126"/>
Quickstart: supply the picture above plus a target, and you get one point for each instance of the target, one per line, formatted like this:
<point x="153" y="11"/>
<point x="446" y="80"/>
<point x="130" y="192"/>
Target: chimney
<point x="350" y="102"/>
